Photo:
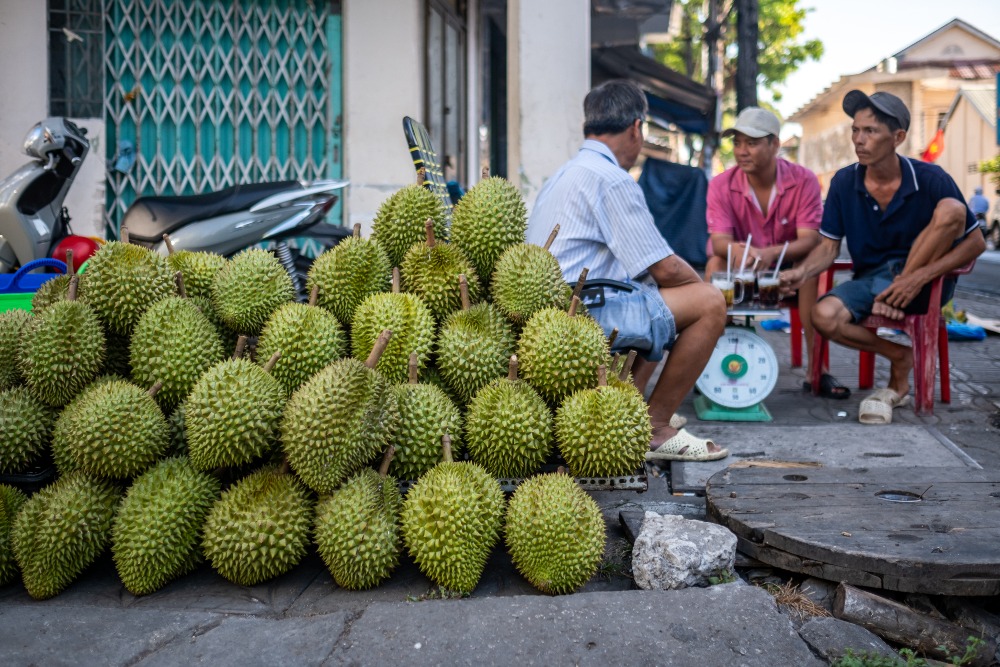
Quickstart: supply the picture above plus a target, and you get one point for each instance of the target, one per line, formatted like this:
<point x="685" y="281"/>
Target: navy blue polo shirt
<point x="874" y="236"/>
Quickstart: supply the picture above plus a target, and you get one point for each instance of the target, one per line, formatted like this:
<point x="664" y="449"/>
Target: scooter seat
<point x="149" y="218"/>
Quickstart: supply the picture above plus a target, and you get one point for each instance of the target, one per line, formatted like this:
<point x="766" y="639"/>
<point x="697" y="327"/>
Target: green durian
<point x="559" y="352"/>
<point x="178" y="434"/>
<point x="487" y="220"/>
<point x="412" y="327"/>
<point x="249" y="288"/>
<point x="11" y="500"/>
<point x="25" y="429"/>
<point x="198" y="268"/>
<point x="308" y="337"/>
<point x="527" y="279"/>
<point x="399" y="221"/>
<point x="431" y="270"/>
<point x="12" y="325"/>
<point x="473" y="349"/>
<point x="62" y="455"/>
<point x="123" y="281"/>
<point x="228" y="336"/>
<point x="259" y="528"/>
<point x="555" y="533"/>
<point x="61" y="530"/>
<point x="347" y="273"/>
<point x="52" y="291"/>
<point x="156" y="533"/>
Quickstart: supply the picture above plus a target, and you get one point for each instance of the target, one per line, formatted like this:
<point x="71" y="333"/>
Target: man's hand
<point x="897" y="296"/>
<point x="791" y="281"/>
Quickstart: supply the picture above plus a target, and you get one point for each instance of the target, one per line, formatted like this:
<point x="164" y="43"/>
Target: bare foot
<point x="883" y="309"/>
<point x="663" y="433"/>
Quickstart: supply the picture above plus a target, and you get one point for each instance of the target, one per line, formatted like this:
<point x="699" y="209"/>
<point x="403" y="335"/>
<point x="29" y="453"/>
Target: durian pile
<point x="195" y="412"/>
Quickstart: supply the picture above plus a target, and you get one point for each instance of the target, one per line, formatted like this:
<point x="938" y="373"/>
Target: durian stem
<point x="380" y="344"/>
<point x="155" y="389"/>
<point x="383" y="469"/>
<point x="414" y="368"/>
<point x="429" y="230"/>
<point x="69" y="262"/>
<point x="446" y="448"/>
<point x="627" y="368"/>
<point x="552" y="237"/>
<point x="269" y="366"/>
<point x="579" y="282"/>
<point x="314" y="295"/>
<point x="602" y="376"/>
<point x="123" y="235"/>
<point x="612" y="337"/>
<point x="573" y="306"/>
<point x="512" y="368"/>
<point x="616" y="359"/>
<point x="463" y="289"/>
<point x="74" y="281"/>
<point x="485" y="172"/>
<point x="179" y="281"/>
<point x="356" y="233"/>
<point x="421" y="176"/>
<point x="395" y="280"/>
<point x="241" y="344"/>
<point x="170" y="244"/>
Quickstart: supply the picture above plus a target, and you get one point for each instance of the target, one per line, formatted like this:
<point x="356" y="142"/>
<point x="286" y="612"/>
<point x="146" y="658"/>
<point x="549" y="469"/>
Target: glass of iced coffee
<point x="769" y="287"/>
<point x="729" y="287"/>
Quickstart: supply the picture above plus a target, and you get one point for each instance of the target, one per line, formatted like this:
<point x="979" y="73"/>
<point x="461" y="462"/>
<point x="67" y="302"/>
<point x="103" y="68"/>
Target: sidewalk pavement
<point x="303" y="618"/>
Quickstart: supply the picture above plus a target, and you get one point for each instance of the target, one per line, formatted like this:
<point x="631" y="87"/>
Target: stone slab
<point x="831" y="637"/>
<point x="831" y="445"/>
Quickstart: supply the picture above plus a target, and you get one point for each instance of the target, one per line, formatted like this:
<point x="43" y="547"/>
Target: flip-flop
<point x="829" y="387"/>
<point x="694" y="449"/>
<point x="877" y="408"/>
<point x="677" y="421"/>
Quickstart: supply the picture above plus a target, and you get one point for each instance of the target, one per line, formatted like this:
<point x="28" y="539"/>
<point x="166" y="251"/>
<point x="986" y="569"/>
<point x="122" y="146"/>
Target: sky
<point x="857" y="34"/>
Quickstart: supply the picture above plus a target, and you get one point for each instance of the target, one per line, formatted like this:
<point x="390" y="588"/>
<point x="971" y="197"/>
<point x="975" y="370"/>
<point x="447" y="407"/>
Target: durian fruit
<point x="357" y="528"/>
<point x="621" y="369"/>
<point x="487" y="220"/>
<point x="339" y="421"/>
<point x="56" y="289"/>
<point x="62" y="454"/>
<point x="227" y="335"/>
<point x="603" y="432"/>
<point x="178" y="434"/>
<point x="431" y="269"/>
<point x="528" y="279"/>
<point x="156" y="533"/>
<point x="451" y="520"/>
<point x="249" y="288"/>
<point x="425" y="414"/>
<point x="62" y="350"/>
<point x="399" y="222"/>
<point x="347" y="273"/>
<point x="173" y="343"/>
<point x="11" y="500"/>
<point x="123" y="280"/>
<point x="410" y="321"/>
<point x="555" y="533"/>
<point x="560" y="352"/>
<point x="12" y="325"/>
<point x="61" y="530"/>
<point x="308" y="337"/>
<point x="113" y="430"/>
<point x="232" y="414"/>
<point x="259" y="528"/>
<point x="198" y="268"/>
<point x="473" y="347"/>
<point x="25" y="429"/>
<point x="508" y="427"/>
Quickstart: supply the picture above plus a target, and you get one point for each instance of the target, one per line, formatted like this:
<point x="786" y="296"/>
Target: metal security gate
<point x="209" y="94"/>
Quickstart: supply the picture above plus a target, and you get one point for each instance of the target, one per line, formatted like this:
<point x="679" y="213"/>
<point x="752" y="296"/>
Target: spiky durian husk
<point x="11" y="500"/>
<point x="309" y="338"/>
<point x="337" y="422"/>
<point x="425" y="414"/>
<point x="123" y="280"/>
<point x="62" y="351"/>
<point x="156" y="533"/>
<point x="178" y="434"/>
<point x="228" y="336"/>
<point x="173" y="343"/>
<point x="25" y="429"/>
<point x="451" y="520"/>
<point x="603" y="432"/>
<point x="232" y="414"/>
<point x="249" y="288"/>
<point x="555" y="533"/>
<point x="412" y="328"/>
<point x="12" y="324"/>
<point x="198" y="270"/>
<point x="432" y="273"/>
<point x="399" y="222"/>
<point x="487" y="220"/>
<point x="61" y="530"/>
<point x="508" y="429"/>
<point x="527" y="279"/>
<point x="560" y="354"/>
<point x="347" y="273"/>
<point x="52" y="291"/>
<point x="62" y="455"/>
<point x="473" y="349"/>
<point x="114" y="430"/>
<point x="259" y="528"/>
<point x="357" y="530"/>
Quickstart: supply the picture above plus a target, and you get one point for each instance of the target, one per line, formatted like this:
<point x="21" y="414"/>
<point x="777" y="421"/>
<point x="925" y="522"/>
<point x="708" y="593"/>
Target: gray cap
<point x="755" y="122"/>
<point x="887" y="103"/>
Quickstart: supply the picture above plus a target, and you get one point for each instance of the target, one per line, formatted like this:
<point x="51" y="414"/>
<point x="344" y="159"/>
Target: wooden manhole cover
<point x="921" y="530"/>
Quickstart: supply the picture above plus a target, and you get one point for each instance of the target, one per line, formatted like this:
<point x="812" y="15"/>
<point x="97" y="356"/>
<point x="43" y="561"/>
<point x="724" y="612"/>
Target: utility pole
<point x="747" y="35"/>
<point x="713" y="77"/>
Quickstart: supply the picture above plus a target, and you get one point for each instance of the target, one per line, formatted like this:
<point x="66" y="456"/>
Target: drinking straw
<point x="746" y="251"/>
<point x="729" y="261"/>
<point x="782" y="256"/>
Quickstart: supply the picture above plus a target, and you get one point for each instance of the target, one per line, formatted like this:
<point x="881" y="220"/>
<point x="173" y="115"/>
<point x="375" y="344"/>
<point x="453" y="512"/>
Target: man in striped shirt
<point x="605" y="225"/>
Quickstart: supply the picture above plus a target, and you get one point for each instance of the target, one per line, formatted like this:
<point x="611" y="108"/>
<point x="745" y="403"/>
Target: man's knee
<point x="949" y="216"/>
<point x="713" y="304"/>
<point x="827" y="314"/>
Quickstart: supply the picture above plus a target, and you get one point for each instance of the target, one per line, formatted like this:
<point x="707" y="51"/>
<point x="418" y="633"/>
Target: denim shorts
<point x="644" y="322"/>
<point x="858" y="295"/>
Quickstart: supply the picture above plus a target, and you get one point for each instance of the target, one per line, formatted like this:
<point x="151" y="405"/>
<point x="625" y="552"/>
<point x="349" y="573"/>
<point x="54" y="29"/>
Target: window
<point x="76" y="58"/>
<point x="446" y="84"/>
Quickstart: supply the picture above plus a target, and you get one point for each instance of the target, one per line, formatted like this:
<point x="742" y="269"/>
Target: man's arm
<point x="816" y="262"/>
<point x="673" y="271"/>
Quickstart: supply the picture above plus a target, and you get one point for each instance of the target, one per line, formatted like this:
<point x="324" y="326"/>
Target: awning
<point x="673" y="98"/>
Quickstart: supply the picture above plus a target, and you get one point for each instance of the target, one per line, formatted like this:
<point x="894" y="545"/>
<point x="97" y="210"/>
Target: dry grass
<point x="791" y="599"/>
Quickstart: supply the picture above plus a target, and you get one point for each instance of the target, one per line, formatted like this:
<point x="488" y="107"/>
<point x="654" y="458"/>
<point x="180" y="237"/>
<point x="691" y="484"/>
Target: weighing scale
<point x="741" y="373"/>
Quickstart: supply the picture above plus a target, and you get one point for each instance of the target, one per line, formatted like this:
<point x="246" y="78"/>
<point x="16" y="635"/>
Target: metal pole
<point x="747" y="34"/>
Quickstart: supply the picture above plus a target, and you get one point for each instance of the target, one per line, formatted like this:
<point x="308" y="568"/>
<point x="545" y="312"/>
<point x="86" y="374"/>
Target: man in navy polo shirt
<point x="906" y="223"/>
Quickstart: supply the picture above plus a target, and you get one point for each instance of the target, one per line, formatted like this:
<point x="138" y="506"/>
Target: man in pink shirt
<point x="771" y="201"/>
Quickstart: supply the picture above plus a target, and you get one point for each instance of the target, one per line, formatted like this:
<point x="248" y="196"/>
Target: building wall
<point x="968" y="139"/>
<point x="953" y="44"/>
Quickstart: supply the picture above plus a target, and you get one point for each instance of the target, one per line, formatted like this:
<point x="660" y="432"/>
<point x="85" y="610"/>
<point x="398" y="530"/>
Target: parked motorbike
<point x="35" y="224"/>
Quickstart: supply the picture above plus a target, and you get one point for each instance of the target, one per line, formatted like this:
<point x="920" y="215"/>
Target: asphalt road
<point x="985" y="277"/>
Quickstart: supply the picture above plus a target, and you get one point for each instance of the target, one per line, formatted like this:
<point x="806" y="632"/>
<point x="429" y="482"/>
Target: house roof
<point x="983" y="99"/>
<point x="954" y="23"/>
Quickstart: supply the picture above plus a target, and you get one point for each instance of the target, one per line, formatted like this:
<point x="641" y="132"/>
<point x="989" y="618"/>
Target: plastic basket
<point x="17" y="289"/>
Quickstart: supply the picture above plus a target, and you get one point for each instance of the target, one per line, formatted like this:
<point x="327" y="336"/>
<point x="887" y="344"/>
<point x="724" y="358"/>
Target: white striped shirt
<point x="604" y="222"/>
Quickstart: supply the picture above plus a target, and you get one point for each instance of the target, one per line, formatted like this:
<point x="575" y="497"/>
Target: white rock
<point x="673" y="552"/>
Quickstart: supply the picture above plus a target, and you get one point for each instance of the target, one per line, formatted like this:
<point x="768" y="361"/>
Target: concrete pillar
<point x="24" y="77"/>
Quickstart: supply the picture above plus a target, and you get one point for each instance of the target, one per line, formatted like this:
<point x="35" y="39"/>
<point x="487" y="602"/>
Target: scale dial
<point x="742" y="371"/>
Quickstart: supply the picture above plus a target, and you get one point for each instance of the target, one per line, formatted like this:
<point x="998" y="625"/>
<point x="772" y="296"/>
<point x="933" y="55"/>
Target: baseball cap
<point x="755" y="122"/>
<point x="887" y="103"/>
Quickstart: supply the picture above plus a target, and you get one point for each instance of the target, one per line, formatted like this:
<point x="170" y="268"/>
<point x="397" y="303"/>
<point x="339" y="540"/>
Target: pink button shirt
<point x="733" y="209"/>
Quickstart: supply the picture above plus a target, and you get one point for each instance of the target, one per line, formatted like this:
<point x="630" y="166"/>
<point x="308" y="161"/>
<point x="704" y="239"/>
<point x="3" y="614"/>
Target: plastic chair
<point x="825" y="283"/>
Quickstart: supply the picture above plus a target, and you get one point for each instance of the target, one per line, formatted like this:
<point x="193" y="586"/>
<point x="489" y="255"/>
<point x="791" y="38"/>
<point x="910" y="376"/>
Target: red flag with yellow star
<point x="935" y="148"/>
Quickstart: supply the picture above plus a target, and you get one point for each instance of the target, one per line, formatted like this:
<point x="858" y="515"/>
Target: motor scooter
<point x="35" y="224"/>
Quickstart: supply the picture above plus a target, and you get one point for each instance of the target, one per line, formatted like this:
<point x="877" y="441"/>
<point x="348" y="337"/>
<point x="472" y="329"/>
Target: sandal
<point x="685" y="447"/>
<point x="829" y="387"/>
<point x="878" y="407"/>
<point x="677" y="421"/>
